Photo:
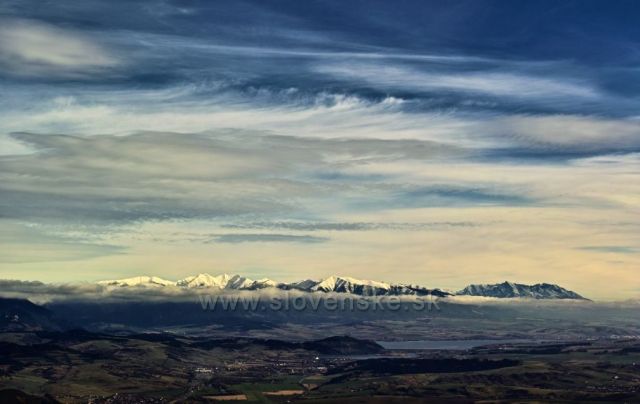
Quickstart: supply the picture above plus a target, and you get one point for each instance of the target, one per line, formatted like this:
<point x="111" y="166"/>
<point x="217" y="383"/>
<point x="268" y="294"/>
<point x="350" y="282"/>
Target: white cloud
<point x="490" y="83"/>
<point x="33" y="48"/>
<point x="570" y="130"/>
<point x="321" y="116"/>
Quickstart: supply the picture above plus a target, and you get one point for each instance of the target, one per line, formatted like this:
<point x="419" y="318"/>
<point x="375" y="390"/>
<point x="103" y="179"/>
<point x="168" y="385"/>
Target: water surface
<point x="445" y="344"/>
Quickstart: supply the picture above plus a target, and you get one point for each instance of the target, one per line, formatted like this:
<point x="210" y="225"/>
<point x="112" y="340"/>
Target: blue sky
<point x="430" y="142"/>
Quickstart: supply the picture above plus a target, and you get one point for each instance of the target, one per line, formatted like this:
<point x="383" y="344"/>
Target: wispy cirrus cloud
<point x="492" y="82"/>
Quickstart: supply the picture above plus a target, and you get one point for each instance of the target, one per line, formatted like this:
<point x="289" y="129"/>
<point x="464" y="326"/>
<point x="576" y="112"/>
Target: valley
<point x="175" y="351"/>
<point x="78" y="366"/>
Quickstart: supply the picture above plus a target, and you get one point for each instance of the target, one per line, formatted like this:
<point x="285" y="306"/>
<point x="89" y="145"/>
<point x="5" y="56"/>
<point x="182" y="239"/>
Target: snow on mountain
<point x="346" y="284"/>
<point x="338" y="284"/>
<point x="205" y="281"/>
<point x="511" y="290"/>
<point x="141" y="281"/>
<point x="264" y="283"/>
<point x="326" y="285"/>
<point x="304" y="285"/>
<point x="239" y="282"/>
<point x="401" y="289"/>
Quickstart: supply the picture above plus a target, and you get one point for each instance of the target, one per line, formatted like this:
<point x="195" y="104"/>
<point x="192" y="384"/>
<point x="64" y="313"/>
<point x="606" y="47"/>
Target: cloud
<point x="492" y="83"/>
<point x="298" y="114"/>
<point x="111" y="179"/>
<point x="162" y="176"/>
<point x="268" y="238"/>
<point x="35" y="48"/>
<point x="30" y="244"/>
<point x="465" y="195"/>
<point x="379" y="134"/>
<point x="345" y="226"/>
<point x="614" y="249"/>
<point x="42" y="293"/>
<point x="156" y="176"/>
<point x="565" y="134"/>
<point x="291" y="112"/>
<point x="517" y="301"/>
<point x="164" y="195"/>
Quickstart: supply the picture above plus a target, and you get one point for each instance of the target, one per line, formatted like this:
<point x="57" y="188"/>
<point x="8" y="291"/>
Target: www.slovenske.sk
<point x="258" y="302"/>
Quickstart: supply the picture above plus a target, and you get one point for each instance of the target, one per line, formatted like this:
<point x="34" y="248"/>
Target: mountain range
<point x="511" y="290"/>
<point x="345" y="284"/>
<point x="22" y="315"/>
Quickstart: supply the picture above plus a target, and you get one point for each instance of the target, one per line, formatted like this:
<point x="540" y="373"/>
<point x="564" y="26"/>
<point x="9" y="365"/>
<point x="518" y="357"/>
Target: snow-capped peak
<point x="326" y="284"/>
<point x="265" y="282"/>
<point x="205" y="281"/>
<point x="138" y="281"/>
<point x="239" y="282"/>
<point x="351" y="285"/>
<point x="347" y="284"/>
<point x="511" y="290"/>
<point x="376" y="284"/>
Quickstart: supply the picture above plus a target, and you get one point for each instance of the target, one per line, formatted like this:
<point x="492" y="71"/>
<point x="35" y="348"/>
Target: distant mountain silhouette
<point x="22" y="315"/>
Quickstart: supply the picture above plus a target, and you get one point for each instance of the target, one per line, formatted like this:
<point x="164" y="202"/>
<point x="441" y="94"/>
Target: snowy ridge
<point x="337" y="284"/>
<point x="142" y="281"/>
<point x="346" y="284"/>
<point x="205" y="280"/>
<point x="511" y="290"/>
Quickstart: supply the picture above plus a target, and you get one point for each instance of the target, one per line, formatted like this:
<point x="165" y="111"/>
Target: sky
<point x="428" y="142"/>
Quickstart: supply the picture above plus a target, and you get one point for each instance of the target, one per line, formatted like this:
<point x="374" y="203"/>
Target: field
<point x="76" y="367"/>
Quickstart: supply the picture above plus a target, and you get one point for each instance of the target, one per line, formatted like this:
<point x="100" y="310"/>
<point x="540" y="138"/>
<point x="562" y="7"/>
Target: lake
<point x="445" y="344"/>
